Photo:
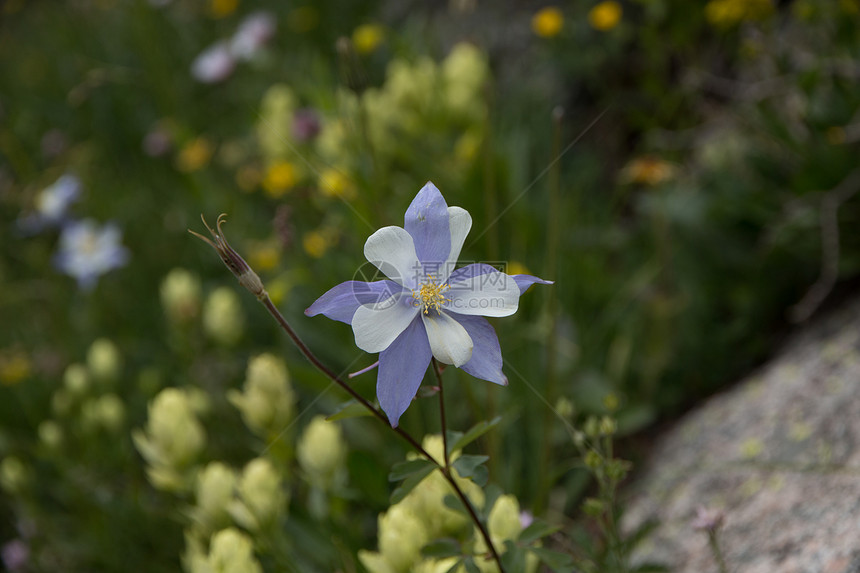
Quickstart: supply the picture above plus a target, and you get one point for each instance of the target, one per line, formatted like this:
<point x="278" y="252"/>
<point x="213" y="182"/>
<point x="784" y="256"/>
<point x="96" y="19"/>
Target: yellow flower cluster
<point x="422" y="517"/>
<point x="267" y="401"/>
<point x="725" y="13"/>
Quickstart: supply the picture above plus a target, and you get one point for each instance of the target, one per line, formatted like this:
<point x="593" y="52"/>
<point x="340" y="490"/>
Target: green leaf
<point x="451" y="501"/>
<point x="403" y="470"/>
<point x="470" y="566"/>
<point x="473" y="434"/>
<point x="513" y="558"/>
<point x="537" y="530"/>
<point x="442" y="548"/>
<point x="409" y="484"/>
<point x="349" y="409"/>
<point x="473" y="467"/>
<point x="558" y="562"/>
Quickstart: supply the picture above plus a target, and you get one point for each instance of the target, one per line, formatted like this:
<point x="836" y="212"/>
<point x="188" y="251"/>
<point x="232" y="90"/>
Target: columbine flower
<point x="424" y="309"/>
<point x="88" y="251"/>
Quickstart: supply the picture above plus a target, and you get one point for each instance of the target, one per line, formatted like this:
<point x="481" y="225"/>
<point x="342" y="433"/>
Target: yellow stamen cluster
<point x="430" y="295"/>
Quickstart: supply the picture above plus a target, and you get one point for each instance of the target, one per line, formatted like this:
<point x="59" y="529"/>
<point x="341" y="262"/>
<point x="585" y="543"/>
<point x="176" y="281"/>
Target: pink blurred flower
<point x="214" y="64"/>
<point x="253" y="33"/>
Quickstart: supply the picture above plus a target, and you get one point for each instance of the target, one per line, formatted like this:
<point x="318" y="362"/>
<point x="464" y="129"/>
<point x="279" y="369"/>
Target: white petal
<point x="377" y="325"/>
<point x="490" y="294"/>
<point x="391" y="250"/>
<point x="460" y="223"/>
<point x="449" y="341"/>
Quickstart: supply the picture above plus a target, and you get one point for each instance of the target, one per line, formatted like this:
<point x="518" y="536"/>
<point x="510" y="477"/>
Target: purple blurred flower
<point x="54" y="143"/>
<point x="16" y="554"/>
<point x="426" y="308"/>
<point x="88" y="251"/>
<point x="157" y="142"/>
<point x="306" y="124"/>
<point x="707" y="519"/>
<point x="214" y="64"/>
<point x="253" y="33"/>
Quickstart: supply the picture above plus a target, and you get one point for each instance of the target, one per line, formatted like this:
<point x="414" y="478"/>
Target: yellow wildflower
<point x="367" y="37"/>
<point x="605" y="16"/>
<point x="547" y="22"/>
<point x="222" y="8"/>
<point x="280" y="177"/>
<point x="516" y="268"/>
<point x="264" y="256"/>
<point x="468" y="145"/>
<point x="14" y="367"/>
<point x="194" y="155"/>
<point x="730" y="12"/>
<point x="334" y="183"/>
<point x="647" y="171"/>
<point x="316" y="243"/>
<point x="278" y="288"/>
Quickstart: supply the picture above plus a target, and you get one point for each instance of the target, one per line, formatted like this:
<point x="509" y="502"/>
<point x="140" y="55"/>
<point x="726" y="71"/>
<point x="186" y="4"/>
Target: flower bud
<point x="50" y="434"/>
<point x="321" y="451"/>
<point x="262" y="497"/>
<point x="14" y="475"/>
<point x="76" y="379"/>
<point x="173" y="438"/>
<point x="593" y="460"/>
<point x="591" y="427"/>
<point x="401" y="537"/>
<point x="608" y="426"/>
<point x="110" y="412"/>
<point x="267" y="400"/>
<point x="504" y="519"/>
<point x="616" y="470"/>
<point x="180" y="296"/>
<point x="222" y="317"/>
<point x="214" y="493"/>
<point x="564" y="408"/>
<point x="104" y="361"/>
<point x="231" y="551"/>
<point x="592" y="507"/>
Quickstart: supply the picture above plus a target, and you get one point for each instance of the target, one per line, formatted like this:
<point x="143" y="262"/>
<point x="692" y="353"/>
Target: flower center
<point x="431" y="295"/>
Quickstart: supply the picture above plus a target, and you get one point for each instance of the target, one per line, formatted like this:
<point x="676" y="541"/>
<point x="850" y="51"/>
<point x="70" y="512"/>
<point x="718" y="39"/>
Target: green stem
<point x="444" y="425"/>
<point x="714" y="544"/>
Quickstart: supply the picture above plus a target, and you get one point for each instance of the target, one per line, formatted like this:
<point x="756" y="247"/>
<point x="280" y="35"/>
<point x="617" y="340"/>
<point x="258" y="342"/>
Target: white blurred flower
<point x="54" y="200"/>
<point x="214" y="64"/>
<point x="51" y="205"/>
<point x="253" y="33"/>
<point x="88" y="251"/>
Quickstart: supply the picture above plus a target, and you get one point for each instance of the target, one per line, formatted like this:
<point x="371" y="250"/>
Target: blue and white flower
<point x="425" y="308"/>
<point x="88" y="251"/>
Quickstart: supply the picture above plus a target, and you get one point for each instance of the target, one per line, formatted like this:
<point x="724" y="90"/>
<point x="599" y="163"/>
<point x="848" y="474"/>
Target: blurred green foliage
<point x="673" y="168"/>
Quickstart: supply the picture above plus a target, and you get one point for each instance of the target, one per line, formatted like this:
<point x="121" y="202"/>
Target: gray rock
<point x="778" y="455"/>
